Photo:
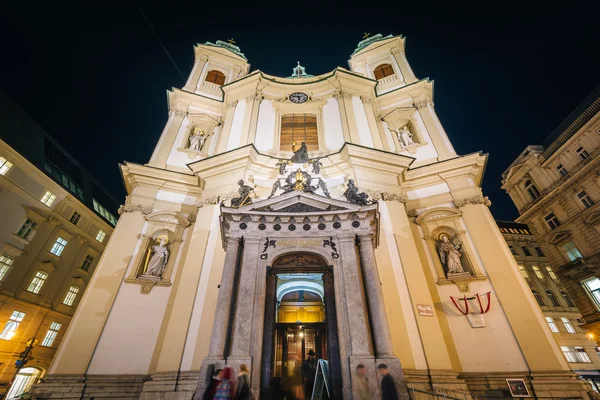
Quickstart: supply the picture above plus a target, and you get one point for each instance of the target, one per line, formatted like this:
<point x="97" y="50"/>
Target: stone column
<point x="194" y="79"/>
<point x="400" y="58"/>
<point x="167" y="138"/>
<point x="224" y="134"/>
<point x="378" y="136"/>
<point x="332" y="337"/>
<point x="434" y="128"/>
<point x="250" y="119"/>
<point x="380" y="327"/>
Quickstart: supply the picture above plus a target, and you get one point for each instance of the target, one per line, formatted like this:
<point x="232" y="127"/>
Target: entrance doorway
<point x="300" y="328"/>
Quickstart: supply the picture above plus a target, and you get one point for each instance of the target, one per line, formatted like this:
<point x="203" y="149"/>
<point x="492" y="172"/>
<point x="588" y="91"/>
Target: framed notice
<point x="517" y="388"/>
<point x="425" y="310"/>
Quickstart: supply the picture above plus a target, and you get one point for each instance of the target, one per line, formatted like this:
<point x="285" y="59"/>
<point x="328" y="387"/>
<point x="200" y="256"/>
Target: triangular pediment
<point x="299" y="202"/>
<point x="559" y="236"/>
<point x="593" y="219"/>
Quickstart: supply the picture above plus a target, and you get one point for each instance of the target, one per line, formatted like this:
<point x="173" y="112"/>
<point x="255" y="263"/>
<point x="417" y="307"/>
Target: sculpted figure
<point x="158" y="259"/>
<point x="282" y="164"/>
<point x="197" y="140"/>
<point x="450" y="255"/>
<point x="405" y="136"/>
<point x="316" y="165"/>
<point x="353" y="196"/>
<point x="244" y="192"/>
<point x="301" y="155"/>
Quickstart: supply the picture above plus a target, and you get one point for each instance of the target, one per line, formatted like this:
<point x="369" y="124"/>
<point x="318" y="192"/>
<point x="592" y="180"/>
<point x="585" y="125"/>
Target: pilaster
<point x="250" y="119"/>
<point x="347" y="115"/>
<point x="193" y="80"/>
<point x="224" y="135"/>
<point x="167" y="139"/>
<point x="435" y="130"/>
<point x="400" y="57"/>
<point x="379" y="140"/>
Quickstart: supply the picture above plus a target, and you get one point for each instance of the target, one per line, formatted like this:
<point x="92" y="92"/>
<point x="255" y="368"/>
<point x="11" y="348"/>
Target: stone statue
<point x="323" y="187"/>
<point x="197" y="140"/>
<point x="301" y="155"/>
<point x="244" y="198"/>
<point x="276" y="187"/>
<point x="450" y="255"/>
<point x="353" y="196"/>
<point x="316" y="165"/>
<point x="405" y="137"/>
<point x="159" y="255"/>
<point x="282" y="164"/>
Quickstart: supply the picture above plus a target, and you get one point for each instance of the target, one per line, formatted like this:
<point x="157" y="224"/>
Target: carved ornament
<point x="473" y="200"/>
<point x="232" y="104"/>
<point x="146" y="287"/>
<point x="339" y="94"/>
<point x="130" y="208"/>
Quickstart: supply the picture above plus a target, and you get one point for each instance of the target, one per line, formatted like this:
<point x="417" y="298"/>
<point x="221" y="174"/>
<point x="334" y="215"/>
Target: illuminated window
<point x="104" y="212"/>
<point x="48" y="198"/>
<point x="58" y="246"/>
<point x="582" y="355"/>
<point x="71" y="295"/>
<point x="593" y="287"/>
<point x="51" y="334"/>
<point x="585" y="199"/>
<point x="298" y="128"/>
<point x="571" y="251"/>
<point x="561" y="170"/>
<point x="582" y="153"/>
<point x="523" y="271"/>
<point x="100" y="236"/>
<point x="567" y="298"/>
<point x="382" y="71"/>
<point x="6" y="262"/>
<point x="552" y="221"/>
<point x="537" y="272"/>
<point x="538" y="298"/>
<point x="11" y="326"/>
<point x="551" y="273"/>
<point x="569" y="354"/>
<point x="75" y="218"/>
<point x="4" y="165"/>
<point x="567" y="325"/>
<point x="87" y="263"/>
<point x="38" y="281"/>
<point x="552" y="298"/>
<point x="216" y="77"/>
<point x="26" y="230"/>
<point x="533" y="191"/>
<point x="552" y="324"/>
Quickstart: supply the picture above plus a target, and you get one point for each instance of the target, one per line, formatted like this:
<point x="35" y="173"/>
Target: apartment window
<point x="104" y="212"/>
<point x="64" y="170"/>
<point x="26" y="229"/>
<point x="382" y="71"/>
<point x="537" y="272"/>
<point x="569" y="353"/>
<point x="298" y="128"/>
<point x="567" y="325"/>
<point x="561" y="170"/>
<point x="4" y="165"/>
<point x="567" y="298"/>
<point x="539" y="252"/>
<point x="75" y="218"/>
<point x="552" y="298"/>
<point x="582" y="153"/>
<point x="11" y="325"/>
<point x="571" y="251"/>
<point x="552" y="324"/>
<point x="585" y="199"/>
<point x="551" y="273"/>
<point x="593" y="287"/>
<point x="38" y="281"/>
<point x="6" y="262"/>
<point x="58" y="246"/>
<point x="523" y="271"/>
<point x="100" y="236"/>
<point x="512" y="250"/>
<point x="51" y="334"/>
<point x="552" y="221"/>
<point x="538" y="298"/>
<point x="71" y="294"/>
<point x="216" y="77"/>
<point x="48" y="198"/>
<point x="533" y="191"/>
<point x="526" y="251"/>
<point x="582" y="355"/>
<point x="87" y="263"/>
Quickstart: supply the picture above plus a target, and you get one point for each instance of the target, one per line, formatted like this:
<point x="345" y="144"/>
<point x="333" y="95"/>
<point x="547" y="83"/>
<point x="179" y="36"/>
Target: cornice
<point x="137" y="174"/>
<point x="471" y="164"/>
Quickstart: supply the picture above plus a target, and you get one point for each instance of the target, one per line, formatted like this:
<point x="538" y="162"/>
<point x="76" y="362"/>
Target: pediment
<point x="438" y="213"/>
<point x="559" y="236"/>
<point x="593" y="219"/>
<point x="299" y="202"/>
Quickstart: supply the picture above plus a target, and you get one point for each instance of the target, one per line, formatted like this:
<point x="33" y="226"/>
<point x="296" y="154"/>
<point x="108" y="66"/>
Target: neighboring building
<point x="556" y="188"/>
<point x="205" y="271"/>
<point x="51" y="239"/>
<point x="560" y="311"/>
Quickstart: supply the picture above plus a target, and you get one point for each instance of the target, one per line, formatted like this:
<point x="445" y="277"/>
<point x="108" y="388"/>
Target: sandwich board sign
<point x="321" y="386"/>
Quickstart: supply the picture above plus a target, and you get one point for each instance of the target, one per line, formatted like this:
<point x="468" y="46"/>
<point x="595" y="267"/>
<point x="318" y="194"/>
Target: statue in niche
<point x="197" y="140"/>
<point x="245" y="191"/>
<point x="156" y="259"/>
<point x="405" y="136"/>
<point x="450" y="255"/>
<point x="316" y="165"/>
<point x="301" y="155"/>
<point x="353" y="196"/>
<point x="282" y="164"/>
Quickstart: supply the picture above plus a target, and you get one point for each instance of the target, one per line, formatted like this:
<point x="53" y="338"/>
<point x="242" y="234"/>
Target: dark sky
<point x="96" y="78"/>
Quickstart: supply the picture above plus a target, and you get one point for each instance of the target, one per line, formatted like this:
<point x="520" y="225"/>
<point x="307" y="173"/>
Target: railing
<point x="420" y="394"/>
<point x="210" y="85"/>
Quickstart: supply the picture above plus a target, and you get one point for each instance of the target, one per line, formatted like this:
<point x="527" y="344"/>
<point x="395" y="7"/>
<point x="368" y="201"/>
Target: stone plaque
<point x="425" y="310"/>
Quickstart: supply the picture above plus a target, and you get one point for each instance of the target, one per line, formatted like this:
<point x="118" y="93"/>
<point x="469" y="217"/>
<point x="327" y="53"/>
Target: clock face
<point x="298" y="97"/>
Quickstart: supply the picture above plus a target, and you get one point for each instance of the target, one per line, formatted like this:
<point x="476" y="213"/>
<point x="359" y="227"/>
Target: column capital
<point x="251" y="239"/>
<point x="232" y="239"/>
<point x="366" y="238"/>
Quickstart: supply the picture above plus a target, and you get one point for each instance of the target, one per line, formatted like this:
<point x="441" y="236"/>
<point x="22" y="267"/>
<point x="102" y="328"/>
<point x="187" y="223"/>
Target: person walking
<point x="211" y="390"/>
<point x="388" y="386"/>
<point x="361" y="383"/>
<point x="309" y="370"/>
<point x="242" y="388"/>
<point x="225" y="387"/>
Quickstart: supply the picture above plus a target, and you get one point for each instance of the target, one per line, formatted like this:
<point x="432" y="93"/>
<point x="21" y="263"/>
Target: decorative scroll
<point x="329" y="242"/>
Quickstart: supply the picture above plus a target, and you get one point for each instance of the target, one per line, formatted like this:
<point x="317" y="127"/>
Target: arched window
<point x="216" y="77"/>
<point x="538" y="298"/>
<point x="382" y="71"/>
<point x="567" y="298"/>
<point x="24" y="380"/>
<point x="533" y="191"/>
<point x="299" y="128"/>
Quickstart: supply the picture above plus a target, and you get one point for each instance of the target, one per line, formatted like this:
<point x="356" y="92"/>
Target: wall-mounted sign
<point x="425" y="310"/>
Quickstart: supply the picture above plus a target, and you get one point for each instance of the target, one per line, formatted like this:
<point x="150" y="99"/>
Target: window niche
<point x="405" y="133"/>
<point x="298" y="123"/>
<point x="153" y="265"/>
<point x="452" y="256"/>
<point x="199" y="134"/>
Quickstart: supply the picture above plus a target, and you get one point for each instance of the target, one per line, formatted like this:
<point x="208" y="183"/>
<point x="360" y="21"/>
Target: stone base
<point x="209" y="365"/>
<point x="444" y="382"/>
<point x="171" y="386"/>
<point x="88" y="387"/>
<point x="396" y="371"/>
<point x="370" y="373"/>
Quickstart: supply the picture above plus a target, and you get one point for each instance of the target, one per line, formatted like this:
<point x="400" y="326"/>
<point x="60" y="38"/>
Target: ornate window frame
<point x="283" y="107"/>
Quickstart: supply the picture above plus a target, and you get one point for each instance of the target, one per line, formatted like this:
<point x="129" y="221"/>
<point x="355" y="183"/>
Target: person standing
<point x="211" y="390"/>
<point x="388" y="386"/>
<point x="242" y="389"/>
<point x="225" y="387"/>
<point x="361" y="383"/>
<point x="309" y="370"/>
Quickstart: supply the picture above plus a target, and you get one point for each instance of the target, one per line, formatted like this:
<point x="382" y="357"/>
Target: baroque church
<point x="285" y="216"/>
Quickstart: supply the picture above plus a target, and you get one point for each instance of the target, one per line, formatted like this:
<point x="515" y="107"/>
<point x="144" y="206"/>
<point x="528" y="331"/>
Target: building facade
<point x="51" y="240"/>
<point x="327" y="214"/>
<point x="563" y="317"/>
<point x="556" y="188"/>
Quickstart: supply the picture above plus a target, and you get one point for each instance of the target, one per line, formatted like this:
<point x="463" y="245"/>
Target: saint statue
<point x="405" y="137"/>
<point x="301" y="155"/>
<point x="197" y="140"/>
<point x="157" y="258"/>
<point x="244" y="198"/>
<point x="450" y="255"/>
<point x="353" y="196"/>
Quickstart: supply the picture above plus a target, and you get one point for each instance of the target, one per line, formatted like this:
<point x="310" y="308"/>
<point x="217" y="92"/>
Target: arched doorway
<point x="23" y="382"/>
<point x="300" y="326"/>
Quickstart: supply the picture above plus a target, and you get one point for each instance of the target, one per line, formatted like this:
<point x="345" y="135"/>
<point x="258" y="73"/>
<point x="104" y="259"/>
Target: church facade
<point x="280" y="218"/>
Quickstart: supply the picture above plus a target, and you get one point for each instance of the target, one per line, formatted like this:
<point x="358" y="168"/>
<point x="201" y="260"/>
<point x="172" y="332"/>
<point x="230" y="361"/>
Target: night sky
<point x="96" y="78"/>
